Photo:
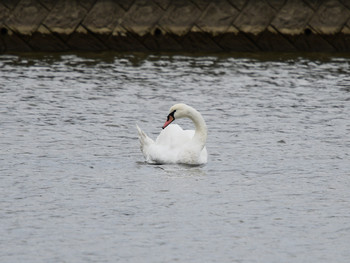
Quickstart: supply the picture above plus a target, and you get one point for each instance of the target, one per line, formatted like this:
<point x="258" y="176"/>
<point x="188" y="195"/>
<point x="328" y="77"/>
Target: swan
<point x="175" y="145"/>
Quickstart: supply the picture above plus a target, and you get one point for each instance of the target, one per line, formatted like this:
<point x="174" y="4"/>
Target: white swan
<point x="175" y="145"/>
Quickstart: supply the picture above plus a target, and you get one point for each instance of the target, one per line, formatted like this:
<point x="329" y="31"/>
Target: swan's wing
<point x="172" y="145"/>
<point x="174" y="136"/>
<point x="153" y="152"/>
<point x="145" y="141"/>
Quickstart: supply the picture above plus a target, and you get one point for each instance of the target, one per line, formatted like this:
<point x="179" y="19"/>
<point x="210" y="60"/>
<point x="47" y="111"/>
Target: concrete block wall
<point x="175" y="25"/>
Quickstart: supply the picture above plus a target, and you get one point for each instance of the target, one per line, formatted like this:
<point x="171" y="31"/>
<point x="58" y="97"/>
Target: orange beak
<point x="169" y="120"/>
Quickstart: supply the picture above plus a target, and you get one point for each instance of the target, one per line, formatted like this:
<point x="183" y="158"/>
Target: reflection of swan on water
<point x="175" y="145"/>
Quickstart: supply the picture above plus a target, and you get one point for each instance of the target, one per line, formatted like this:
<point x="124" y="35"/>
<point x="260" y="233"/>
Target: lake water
<point x="74" y="186"/>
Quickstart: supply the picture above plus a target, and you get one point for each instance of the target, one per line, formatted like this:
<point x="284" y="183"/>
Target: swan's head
<point x="176" y="112"/>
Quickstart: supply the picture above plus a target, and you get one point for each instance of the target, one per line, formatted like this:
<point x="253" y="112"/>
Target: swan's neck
<point x="200" y="134"/>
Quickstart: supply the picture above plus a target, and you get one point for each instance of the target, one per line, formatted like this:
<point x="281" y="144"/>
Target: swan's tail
<point x="144" y="139"/>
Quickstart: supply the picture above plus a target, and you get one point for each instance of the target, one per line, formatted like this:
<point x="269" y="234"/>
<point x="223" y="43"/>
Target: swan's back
<point x="174" y="136"/>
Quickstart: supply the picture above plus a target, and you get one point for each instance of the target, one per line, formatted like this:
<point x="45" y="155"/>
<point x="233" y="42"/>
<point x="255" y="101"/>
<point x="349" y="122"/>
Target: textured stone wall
<point x="175" y="25"/>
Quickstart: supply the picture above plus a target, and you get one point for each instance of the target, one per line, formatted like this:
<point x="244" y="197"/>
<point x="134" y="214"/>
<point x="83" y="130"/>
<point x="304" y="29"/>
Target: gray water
<point x="74" y="186"/>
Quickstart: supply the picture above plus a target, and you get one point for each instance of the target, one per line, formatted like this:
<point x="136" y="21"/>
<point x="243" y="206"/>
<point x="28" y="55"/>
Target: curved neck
<point x="200" y="134"/>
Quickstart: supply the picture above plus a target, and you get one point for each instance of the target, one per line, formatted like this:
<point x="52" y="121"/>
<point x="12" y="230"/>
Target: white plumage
<point x="175" y="145"/>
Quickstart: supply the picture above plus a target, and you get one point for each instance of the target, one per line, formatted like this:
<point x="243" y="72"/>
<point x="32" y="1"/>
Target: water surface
<point x="74" y="186"/>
